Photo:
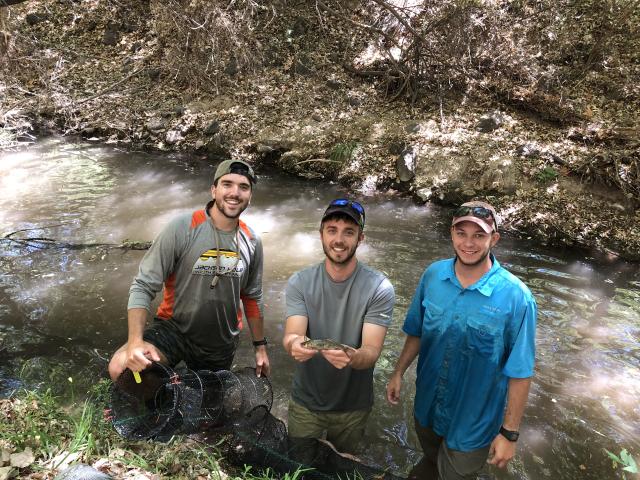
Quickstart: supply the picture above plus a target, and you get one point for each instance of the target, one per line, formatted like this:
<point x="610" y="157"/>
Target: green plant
<point x="547" y="175"/>
<point x="625" y="460"/>
<point x="343" y="151"/>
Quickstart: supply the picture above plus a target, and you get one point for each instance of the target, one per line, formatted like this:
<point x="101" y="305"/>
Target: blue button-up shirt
<point x="472" y="340"/>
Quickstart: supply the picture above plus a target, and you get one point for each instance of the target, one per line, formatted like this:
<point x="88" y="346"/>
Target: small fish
<point x="326" y="344"/>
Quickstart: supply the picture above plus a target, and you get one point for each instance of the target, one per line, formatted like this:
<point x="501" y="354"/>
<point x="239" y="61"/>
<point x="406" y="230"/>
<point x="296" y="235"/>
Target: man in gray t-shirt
<point x="347" y="302"/>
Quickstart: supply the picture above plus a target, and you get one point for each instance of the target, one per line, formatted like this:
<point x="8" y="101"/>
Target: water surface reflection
<point x="62" y="311"/>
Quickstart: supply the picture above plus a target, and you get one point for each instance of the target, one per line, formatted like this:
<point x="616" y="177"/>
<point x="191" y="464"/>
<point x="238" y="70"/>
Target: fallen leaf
<point x="7" y="472"/>
<point x="22" y="459"/>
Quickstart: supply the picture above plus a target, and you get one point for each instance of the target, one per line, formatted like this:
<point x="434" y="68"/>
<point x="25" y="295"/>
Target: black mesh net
<point x="234" y="404"/>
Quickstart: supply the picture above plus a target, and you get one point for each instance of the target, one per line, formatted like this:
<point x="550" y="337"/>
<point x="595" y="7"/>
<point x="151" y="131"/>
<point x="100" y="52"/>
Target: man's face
<point x="232" y="194"/>
<point x="340" y="240"/>
<point x="471" y="243"/>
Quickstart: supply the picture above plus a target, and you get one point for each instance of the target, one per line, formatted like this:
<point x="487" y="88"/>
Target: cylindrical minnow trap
<point x="238" y="404"/>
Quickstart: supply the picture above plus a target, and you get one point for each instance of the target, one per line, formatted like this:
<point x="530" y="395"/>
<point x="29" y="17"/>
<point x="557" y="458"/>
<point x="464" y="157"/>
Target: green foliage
<point x="33" y="420"/>
<point x="547" y="175"/>
<point x="625" y="460"/>
<point x="342" y="152"/>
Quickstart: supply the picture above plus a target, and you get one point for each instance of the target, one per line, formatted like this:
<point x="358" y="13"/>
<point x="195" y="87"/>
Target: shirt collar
<point x="485" y="285"/>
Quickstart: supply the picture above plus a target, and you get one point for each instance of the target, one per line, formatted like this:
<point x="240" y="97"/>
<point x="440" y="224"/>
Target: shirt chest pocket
<point x="433" y="315"/>
<point x="484" y="334"/>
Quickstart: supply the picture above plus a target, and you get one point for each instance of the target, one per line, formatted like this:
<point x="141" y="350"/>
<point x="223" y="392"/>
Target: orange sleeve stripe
<point x="239" y="317"/>
<point x="251" y="308"/>
<point x="165" y="310"/>
<point x="197" y="218"/>
<point x="245" y="228"/>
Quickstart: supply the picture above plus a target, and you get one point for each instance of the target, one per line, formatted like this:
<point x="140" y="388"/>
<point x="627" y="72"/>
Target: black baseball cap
<point x="351" y="208"/>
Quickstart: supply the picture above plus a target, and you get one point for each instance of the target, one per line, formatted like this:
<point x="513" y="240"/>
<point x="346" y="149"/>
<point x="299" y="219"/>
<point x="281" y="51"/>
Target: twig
<point x="111" y="87"/>
<point x="316" y="160"/>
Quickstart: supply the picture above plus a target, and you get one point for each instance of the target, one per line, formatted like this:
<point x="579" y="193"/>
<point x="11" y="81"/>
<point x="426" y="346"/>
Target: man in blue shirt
<point x="472" y="325"/>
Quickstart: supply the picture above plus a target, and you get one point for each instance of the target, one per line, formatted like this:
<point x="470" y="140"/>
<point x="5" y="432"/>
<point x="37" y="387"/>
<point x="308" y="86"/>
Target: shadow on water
<point x="63" y="311"/>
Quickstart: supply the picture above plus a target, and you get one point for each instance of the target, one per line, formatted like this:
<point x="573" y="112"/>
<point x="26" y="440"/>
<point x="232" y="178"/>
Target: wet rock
<point x="489" y="123"/>
<point x="424" y="194"/>
<point x="82" y="472"/>
<point x="173" y="136"/>
<point x="155" y="125"/>
<point x="405" y="165"/>
<point x="88" y="132"/>
<point x="35" y="18"/>
<point x="212" y="128"/>
<point x="216" y="152"/>
<point x="111" y="35"/>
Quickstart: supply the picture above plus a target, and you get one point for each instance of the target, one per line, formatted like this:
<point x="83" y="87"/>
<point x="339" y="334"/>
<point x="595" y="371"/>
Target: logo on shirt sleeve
<point x="229" y="263"/>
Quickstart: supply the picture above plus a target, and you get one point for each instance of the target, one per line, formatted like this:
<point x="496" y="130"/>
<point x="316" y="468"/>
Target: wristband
<point x="511" y="435"/>
<point x="257" y="343"/>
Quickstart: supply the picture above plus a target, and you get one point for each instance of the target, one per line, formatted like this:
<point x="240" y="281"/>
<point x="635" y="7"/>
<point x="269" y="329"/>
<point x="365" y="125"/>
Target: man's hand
<point x="501" y="451"/>
<point x="262" y="361"/>
<point x="300" y="353"/>
<point x="393" y="388"/>
<point x="338" y="358"/>
<point x="139" y="356"/>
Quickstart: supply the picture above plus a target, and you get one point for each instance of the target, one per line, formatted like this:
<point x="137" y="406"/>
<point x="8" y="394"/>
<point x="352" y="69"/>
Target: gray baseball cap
<point x="235" y="166"/>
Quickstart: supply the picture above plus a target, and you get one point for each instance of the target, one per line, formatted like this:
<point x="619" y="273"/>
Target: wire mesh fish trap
<point x="167" y="402"/>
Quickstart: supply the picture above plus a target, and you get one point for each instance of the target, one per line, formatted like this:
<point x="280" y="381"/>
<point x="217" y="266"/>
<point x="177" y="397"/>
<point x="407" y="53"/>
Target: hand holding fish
<point x="339" y="358"/>
<point x="299" y="351"/>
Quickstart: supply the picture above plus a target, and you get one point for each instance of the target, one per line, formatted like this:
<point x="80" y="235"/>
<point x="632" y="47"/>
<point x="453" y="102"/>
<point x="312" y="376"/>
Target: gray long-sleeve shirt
<point x="183" y="259"/>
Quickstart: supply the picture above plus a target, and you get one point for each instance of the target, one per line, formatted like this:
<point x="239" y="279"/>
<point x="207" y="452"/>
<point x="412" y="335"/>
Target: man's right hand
<point x="139" y="356"/>
<point x="300" y="353"/>
<point x="393" y="388"/>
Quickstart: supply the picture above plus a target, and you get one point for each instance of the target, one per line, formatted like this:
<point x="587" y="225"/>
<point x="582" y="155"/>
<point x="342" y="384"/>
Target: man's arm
<point x="407" y="356"/>
<point x="251" y="297"/>
<point x="363" y="357"/>
<point x="139" y="353"/>
<point x="503" y="450"/>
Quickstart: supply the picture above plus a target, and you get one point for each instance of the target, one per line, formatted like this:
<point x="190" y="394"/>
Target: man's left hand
<point x="501" y="451"/>
<point x="262" y="361"/>
<point x="338" y="358"/>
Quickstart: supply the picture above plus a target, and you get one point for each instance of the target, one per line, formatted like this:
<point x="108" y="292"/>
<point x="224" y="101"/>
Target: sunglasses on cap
<point x="344" y="202"/>
<point x="478" y="212"/>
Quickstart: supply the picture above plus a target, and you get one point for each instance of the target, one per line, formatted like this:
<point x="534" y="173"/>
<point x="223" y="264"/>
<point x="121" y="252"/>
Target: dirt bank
<point x="112" y="73"/>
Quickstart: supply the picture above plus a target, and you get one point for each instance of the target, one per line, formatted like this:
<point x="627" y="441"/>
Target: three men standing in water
<point x="471" y="324"/>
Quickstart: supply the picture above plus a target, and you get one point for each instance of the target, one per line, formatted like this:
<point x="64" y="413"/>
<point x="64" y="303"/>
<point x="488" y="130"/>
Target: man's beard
<point x="349" y="256"/>
<point x="232" y="217"/>
<point x="483" y="258"/>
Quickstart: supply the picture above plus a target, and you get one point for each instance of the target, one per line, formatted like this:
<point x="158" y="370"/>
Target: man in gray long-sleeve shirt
<point x="208" y="262"/>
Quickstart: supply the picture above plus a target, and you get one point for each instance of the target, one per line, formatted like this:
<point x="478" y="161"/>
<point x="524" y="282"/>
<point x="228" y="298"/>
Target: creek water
<point x="63" y="310"/>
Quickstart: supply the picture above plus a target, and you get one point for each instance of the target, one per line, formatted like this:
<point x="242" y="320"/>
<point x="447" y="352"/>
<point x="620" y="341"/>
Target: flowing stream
<point x="63" y="310"/>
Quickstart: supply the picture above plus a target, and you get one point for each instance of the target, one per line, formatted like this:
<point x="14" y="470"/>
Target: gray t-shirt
<point x="337" y="310"/>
